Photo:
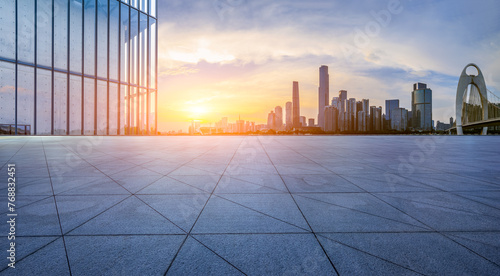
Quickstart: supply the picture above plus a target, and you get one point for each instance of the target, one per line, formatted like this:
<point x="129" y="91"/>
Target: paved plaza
<point x="254" y="205"/>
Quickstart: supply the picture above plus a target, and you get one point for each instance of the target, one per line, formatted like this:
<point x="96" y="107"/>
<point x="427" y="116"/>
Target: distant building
<point x="376" y="120"/>
<point x="271" y="120"/>
<point x="303" y="121"/>
<point x="311" y="122"/>
<point x="336" y="102"/>
<point x="389" y="106"/>
<point x="289" y="121"/>
<point x="296" y="105"/>
<point x="399" y="119"/>
<point x="323" y="94"/>
<point x="278" y="111"/>
<point x="361" y="121"/>
<point x="331" y="119"/>
<point x="343" y="95"/>
<point x="421" y="107"/>
<point x="351" y="114"/>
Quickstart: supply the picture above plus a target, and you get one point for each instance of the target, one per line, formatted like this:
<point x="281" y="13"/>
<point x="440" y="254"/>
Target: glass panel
<point x="102" y="38"/>
<point x="75" y="36"/>
<point x="142" y="123"/>
<point x="8" y="29"/>
<point x="143" y="54"/>
<point x="113" y="108"/>
<point x="134" y="3"/>
<point x="124" y="43"/>
<point x="152" y="8"/>
<point x="43" y="102"/>
<point x="133" y="111"/>
<point x="134" y="49"/>
<point x="152" y="53"/>
<point x="44" y="34"/>
<point x="26" y="30"/>
<point x="88" y="107"/>
<point x="7" y="95"/>
<point x="89" y="37"/>
<point x="144" y="6"/>
<point x="75" y="108"/>
<point x="123" y="109"/>
<point x="113" y="39"/>
<point x="152" y="113"/>
<point x="102" y="107"/>
<point x="60" y="103"/>
<point x="26" y="98"/>
<point x="61" y="34"/>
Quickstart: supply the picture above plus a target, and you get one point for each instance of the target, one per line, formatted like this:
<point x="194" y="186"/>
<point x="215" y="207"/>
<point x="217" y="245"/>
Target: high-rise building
<point x="343" y="95"/>
<point x="296" y="105"/>
<point x="375" y="118"/>
<point x="303" y="121"/>
<point x="331" y="118"/>
<point x="79" y="67"/>
<point x="399" y="119"/>
<point x="271" y="120"/>
<point x="389" y="106"/>
<point x="421" y="107"/>
<point x="289" y="121"/>
<point x="335" y="102"/>
<point x="311" y="122"/>
<point x="361" y="121"/>
<point x="323" y="94"/>
<point x="351" y="114"/>
<point x="278" y="111"/>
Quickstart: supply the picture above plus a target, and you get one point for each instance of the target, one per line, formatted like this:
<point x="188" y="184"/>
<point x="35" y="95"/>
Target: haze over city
<point x="228" y="58"/>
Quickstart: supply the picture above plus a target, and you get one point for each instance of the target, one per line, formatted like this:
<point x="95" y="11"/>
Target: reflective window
<point x="142" y="124"/>
<point x="7" y="95"/>
<point x="143" y="49"/>
<point x="102" y="39"/>
<point x="428" y="96"/>
<point x="26" y="97"/>
<point x="44" y="34"/>
<point x="61" y="34"/>
<point x="75" y="36"/>
<point x="102" y="107"/>
<point x="152" y="113"/>
<point x="75" y="105"/>
<point x="134" y="3"/>
<point x="123" y="105"/>
<point x="134" y="49"/>
<point x="113" y="38"/>
<point x="8" y="29"/>
<point x="152" y="8"/>
<point x="144" y="6"/>
<point x="25" y="30"/>
<point x="133" y="111"/>
<point x="89" y="37"/>
<point x="113" y="108"/>
<point x="124" y="43"/>
<point x="60" y="103"/>
<point x="152" y="53"/>
<point x="43" y="102"/>
<point x="88" y="106"/>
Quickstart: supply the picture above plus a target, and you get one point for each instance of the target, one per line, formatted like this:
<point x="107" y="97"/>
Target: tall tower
<point x="296" y="105"/>
<point x="278" y="111"/>
<point x="421" y="107"/>
<point x="289" y="121"/>
<point x="323" y="94"/>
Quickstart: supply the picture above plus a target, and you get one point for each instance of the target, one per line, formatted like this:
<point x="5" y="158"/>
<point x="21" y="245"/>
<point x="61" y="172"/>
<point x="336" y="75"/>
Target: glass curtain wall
<point x="78" y="67"/>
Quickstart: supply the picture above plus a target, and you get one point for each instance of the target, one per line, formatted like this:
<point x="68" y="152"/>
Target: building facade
<point x="79" y="67"/>
<point x="421" y="107"/>
<point x="399" y="119"/>
<point x="389" y="106"/>
<point x="323" y="94"/>
<point x="296" y="105"/>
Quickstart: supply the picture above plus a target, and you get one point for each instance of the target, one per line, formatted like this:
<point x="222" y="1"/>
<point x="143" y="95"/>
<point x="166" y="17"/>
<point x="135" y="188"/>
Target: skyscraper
<point x="389" y="106"/>
<point x="331" y="118"/>
<point x="289" y="116"/>
<point x="296" y="105"/>
<point x="399" y="119"/>
<point x="323" y="94"/>
<point x="421" y="107"/>
<point x="278" y="111"/>
<point x="271" y="120"/>
<point x="343" y="95"/>
<point x="79" y="67"/>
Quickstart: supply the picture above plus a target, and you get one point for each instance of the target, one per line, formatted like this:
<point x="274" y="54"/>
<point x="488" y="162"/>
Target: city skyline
<point x="239" y="57"/>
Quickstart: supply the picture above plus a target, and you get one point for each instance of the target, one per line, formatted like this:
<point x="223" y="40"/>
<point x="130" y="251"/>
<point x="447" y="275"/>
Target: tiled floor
<point x="268" y="205"/>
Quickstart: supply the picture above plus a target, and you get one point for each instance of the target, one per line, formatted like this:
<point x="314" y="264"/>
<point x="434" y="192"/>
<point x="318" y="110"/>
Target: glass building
<point x="421" y="107"/>
<point x="78" y="67"/>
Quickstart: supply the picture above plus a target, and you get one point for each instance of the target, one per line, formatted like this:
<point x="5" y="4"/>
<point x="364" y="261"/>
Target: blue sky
<point x="229" y="57"/>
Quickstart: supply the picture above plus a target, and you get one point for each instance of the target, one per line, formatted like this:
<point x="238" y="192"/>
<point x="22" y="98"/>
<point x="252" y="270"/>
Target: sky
<point x="230" y="58"/>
